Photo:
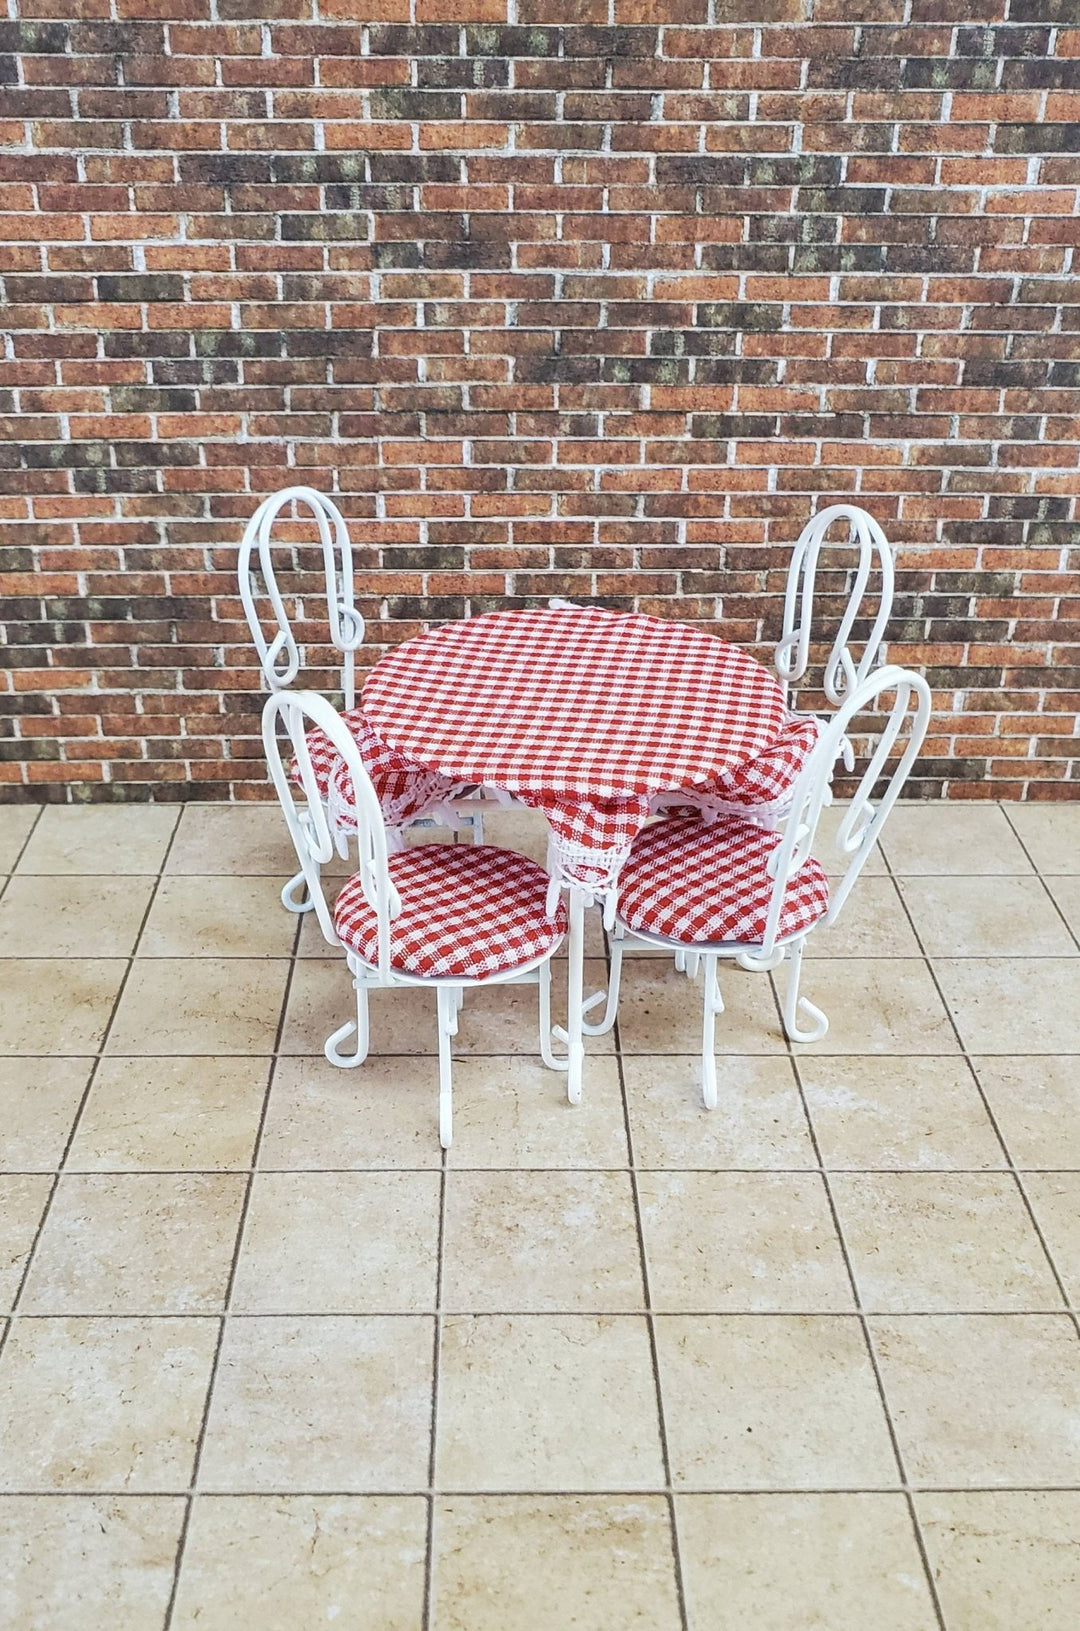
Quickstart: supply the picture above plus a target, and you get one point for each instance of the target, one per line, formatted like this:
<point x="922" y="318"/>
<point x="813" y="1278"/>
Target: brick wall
<point x="591" y="297"/>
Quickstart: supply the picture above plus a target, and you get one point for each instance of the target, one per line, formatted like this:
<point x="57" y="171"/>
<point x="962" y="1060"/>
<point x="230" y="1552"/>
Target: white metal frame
<point x="279" y="653"/>
<point x="792" y="655"/>
<point x="295" y="712"/>
<point x="859" y="830"/>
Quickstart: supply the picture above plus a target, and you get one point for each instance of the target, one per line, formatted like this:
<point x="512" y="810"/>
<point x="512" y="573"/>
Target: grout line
<point x="1015" y="1172"/>
<point x="185" y="1526"/>
<point x="96" y="1057"/>
<point x="596" y="1493"/>
<point x="30" y="831"/>
<point x="436" y="1370"/>
<point x="673" y="1518"/>
<point x="867" y="1334"/>
<point x="1074" y="937"/>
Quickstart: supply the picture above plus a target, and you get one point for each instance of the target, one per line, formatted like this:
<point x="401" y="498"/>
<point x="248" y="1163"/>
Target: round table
<point x="583" y="713"/>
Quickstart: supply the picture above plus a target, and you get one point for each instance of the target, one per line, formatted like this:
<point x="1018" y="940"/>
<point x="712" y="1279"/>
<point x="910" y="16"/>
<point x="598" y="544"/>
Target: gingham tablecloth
<point x="582" y="713"/>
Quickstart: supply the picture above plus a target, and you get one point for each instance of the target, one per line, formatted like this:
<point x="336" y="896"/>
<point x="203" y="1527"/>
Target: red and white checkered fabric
<point x="574" y="701"/>
<point x="467" y="910"/>
<point x="701" y="883"/>
<point x="772" y="774"/>
<point x="582" y="713"/>
<point x="405" y="791"/>
<point x="591" y="838"/>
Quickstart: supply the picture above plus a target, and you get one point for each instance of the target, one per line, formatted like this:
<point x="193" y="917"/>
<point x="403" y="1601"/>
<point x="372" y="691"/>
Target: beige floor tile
<point x="551" y="1562"/>
<point x="514" y="1112"/>
<point x="825" y="849"/>
<point x="218" y="917"/>
<point x="523" y="830"/>
<point x="138" y="1243"/>
<point x="1050" y="833"/>
<point x="898" y="1113"/>
<point x="758" y="1121"/>
<point x="72" y="917"/>
<point x="547" y="1402"/>
<point x="977" y="917"/>
<point x="1055" y="1197"/>
<point x="383" y="1114"/>
<point x="660" y="1010"/>
<point x="100" y="838"/>
<point x="541" y="1242"/>
<point x="170" y="1115"/>
<point x="22" y="1201"/>
<point x="1036" y="1103"/>
<point x="765" y="1401"/>
<point x="38" y="1101"/>
<point x="289" y="1562"/>
<point x="923" y="1242"/>
<point x="212" y="1005"/>
<point x="57" y="1005"/>
<point x="69" y="1560"/>
<point x="872" y="924"/>
<point x="792" y="1562"/>
<point x="936" y="839"/>
<point x="498" y="1019"/>
<point x="984" y="1399"/>
<point x="321" y="1405"/>
<point x="735" y="1242"/>
<point x="339" y="1243"/>
<point x="16" y="824"/>
<point x="103" y="1404"/>
<point x="1005" y="1560"/>
<point x="247" y="840"/>
<point x="887" y="1005"/>
<point x="1066" y="894"/>
<point x="1014" y="1005"/>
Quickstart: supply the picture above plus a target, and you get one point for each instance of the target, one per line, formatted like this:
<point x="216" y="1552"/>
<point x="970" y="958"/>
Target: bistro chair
<point x="732" y="889"/>
<point x="762" y="790"/>
<point x="406" y="793"/>
<point x="447" y="917"/>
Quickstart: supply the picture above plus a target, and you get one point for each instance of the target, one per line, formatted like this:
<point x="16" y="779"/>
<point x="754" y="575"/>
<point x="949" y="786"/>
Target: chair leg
<point x="290" y="899"/>
<point x="447" y="1001"/>
<point x="793" y="1003"/>
<point x="361" y="1029"/>
<point x="712" y="1004"/>
<point x="611" y="1008"/>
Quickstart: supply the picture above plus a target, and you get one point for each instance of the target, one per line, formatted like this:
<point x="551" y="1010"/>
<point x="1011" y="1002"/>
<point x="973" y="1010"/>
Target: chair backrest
<point x="292" y="714"/>
<point x="792" y="656"/>
<point x="279" y="656"/>
<point x="862" y="820"/>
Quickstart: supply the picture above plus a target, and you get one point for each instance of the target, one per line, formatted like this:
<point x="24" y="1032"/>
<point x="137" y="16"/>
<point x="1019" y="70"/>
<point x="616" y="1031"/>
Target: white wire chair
<point x="762" y="791"/>
<point x="406" y="796"/>
<point x="733" y="890"/>
<point x="441" y="916"/>
<point x="792" y="656"/>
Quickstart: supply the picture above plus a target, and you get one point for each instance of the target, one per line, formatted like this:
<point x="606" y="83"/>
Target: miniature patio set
<point x="681" y="787"/>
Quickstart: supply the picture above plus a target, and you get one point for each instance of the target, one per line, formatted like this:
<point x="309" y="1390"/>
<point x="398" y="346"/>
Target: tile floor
<point x="271" y="1362"/>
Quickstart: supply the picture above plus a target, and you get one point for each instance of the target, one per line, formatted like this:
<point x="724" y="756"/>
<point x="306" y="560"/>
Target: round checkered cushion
<point x="701" y="883"/>
<point x="404" y="790"/>
<point x="469" y="910"/>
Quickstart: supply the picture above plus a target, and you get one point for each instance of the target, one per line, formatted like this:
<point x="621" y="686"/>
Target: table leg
<point x="575" y="995"/>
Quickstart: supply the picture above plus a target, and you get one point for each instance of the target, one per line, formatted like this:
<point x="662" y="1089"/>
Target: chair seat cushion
<point x="404" y="790"/>
<point x="700" y="883"/>
<point x="772" y="774"/>
<point x="466" y="909"/>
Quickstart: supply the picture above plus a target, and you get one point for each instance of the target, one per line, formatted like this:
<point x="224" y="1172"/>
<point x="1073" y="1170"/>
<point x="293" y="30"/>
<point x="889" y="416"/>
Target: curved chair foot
<point x="344" y="1061"/>
<point x="289" y="895"/>
<point x="794" y="1005"/>
<point x="795" y="1032"/>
